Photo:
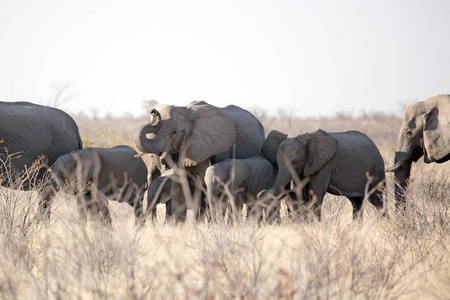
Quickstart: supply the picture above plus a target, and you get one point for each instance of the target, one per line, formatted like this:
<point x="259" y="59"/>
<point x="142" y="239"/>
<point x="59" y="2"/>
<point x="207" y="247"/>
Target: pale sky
<point x="304" y="57"/>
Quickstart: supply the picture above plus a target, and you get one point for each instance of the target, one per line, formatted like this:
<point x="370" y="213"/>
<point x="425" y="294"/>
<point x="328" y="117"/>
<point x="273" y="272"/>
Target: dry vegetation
<point x="406" y="255"/>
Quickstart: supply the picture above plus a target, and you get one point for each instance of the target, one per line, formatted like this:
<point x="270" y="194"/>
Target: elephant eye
<point x="174" y="132"/>
<point x="409" y="133"/>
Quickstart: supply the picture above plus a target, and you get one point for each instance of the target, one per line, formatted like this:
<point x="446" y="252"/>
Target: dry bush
<point x="403" y="256"/>
<point x="107" y="132"/>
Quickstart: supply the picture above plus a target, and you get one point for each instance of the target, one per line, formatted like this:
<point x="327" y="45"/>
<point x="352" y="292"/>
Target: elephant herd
<point x="211" y="160"/>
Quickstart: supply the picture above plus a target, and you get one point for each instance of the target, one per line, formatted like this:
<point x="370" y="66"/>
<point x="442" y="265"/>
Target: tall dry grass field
<point x="403" y="256"/>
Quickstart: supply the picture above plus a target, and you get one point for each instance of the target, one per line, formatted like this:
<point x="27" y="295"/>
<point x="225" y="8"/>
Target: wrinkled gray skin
<point x="271" y="145"/>
<point x="243" y="179"/>
<point x="199" y="134"/>
<point x="29" y="132"/>
<point x="159" y="192"/>
<point x="270" y="150"/>
<point x="336" y="163"/>
<point x="93" y="174"/>
<point x="160" y="188"/>
<point x="425" y="132"/>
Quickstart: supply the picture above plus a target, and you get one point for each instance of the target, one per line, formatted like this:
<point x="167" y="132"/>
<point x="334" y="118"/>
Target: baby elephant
<point x="159" y="192"/>
<point x="241" y="178"/>
<point x="338" y="163"/>
<point x="93" y="173"/>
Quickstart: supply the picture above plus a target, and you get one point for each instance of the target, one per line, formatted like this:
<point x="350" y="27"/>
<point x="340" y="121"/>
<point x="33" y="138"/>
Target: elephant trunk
<point x="140" y="138"/>
<point x="155" y="118"/>
<point x="283" y="178"/>
<point x="402" y="171"/>
<point x="143" y="143"/>
<point x="273" y="207"/>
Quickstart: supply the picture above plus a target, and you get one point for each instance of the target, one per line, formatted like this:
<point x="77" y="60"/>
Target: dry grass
<point x="406" y="255"/>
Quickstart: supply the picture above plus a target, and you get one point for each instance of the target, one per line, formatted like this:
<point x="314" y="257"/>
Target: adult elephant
<point x="199" y="134"/>
<point x="425" y="132"/>
<point x="33" y="136"/>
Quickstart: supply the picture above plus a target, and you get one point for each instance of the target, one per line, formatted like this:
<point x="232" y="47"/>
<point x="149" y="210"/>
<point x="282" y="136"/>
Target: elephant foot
<point x="176" y="219"/>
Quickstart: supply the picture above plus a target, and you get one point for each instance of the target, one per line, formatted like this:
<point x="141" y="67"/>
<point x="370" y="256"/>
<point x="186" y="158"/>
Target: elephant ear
<point x="212" y="133"/>
<point x="436" y="134"/>
<point x="271" y="145"/>
<point x="321" y="149"/>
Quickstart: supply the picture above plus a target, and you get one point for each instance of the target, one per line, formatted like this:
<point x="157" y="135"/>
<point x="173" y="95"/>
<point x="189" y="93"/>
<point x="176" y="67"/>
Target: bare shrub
<point x="399" y="257"/>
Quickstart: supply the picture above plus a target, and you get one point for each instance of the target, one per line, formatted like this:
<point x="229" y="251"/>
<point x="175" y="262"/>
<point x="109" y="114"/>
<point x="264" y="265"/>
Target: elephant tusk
<point x="140" y="155"/>
<point x="163" y="155"/>
<point x="395" y="167"/>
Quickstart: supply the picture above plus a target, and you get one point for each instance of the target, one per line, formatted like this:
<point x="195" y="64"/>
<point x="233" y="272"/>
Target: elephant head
<point x="307" y="154"/>
<point x="425" y="132"/>
<point x="66" y="174"/>
<point x="72" y="172"/>
<point x="196" y="132"/>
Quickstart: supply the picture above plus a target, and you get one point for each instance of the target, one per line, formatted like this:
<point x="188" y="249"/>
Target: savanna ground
<point x="403" y="256"/>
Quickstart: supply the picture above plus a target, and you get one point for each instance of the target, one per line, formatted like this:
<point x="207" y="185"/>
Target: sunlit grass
<point x="402" y="256"/>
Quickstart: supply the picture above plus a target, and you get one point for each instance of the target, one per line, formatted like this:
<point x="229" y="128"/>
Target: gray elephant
<point x="199" y="134"/>
<point x="159" y="192"/>
<point x="425" y="132"/>
<point x="337" y="163"/>
<point x="93" y="174"/>
<point x="32" y="137"/>
<point x="242" y="179"/>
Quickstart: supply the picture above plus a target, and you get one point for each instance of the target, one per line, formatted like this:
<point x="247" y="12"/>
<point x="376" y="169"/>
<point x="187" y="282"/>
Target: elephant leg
<point x="152" y="201"/>
<point x="315" y="202"/>
<point x="293" y="202"/>
<point x="226" y="211"/>
<point x="296" y="197"/>
<point x="254" y="208"/>
<point x="105" y="215"/>
<point x="45" y="203"/>
<point x="82" y="206"/>
<point x="235" y="205"/>
<point x="196" y="185"/>
<point x="273" y="212"/>
<point x="357" y="205"/>
<point x="138" y="201"/>
<point x="178" y="205"/>
<point x="150" y="212"/>
<point x="212" y="197"/>
<point x="202" y="215"/>
<point x="317" y="190"/>
<point x="168" y="211"/>
<point x="135" y="198"/>
<point x="299" y="200"/>
<point x="99" y="208"/>
<point x="255" y="211"/>
<point x="377" y="200"/>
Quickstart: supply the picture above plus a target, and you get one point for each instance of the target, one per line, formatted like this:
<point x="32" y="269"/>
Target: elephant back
<point x="250" y="134"/>
<point x="354" y="145"/>
<point x="36" y="132"/>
